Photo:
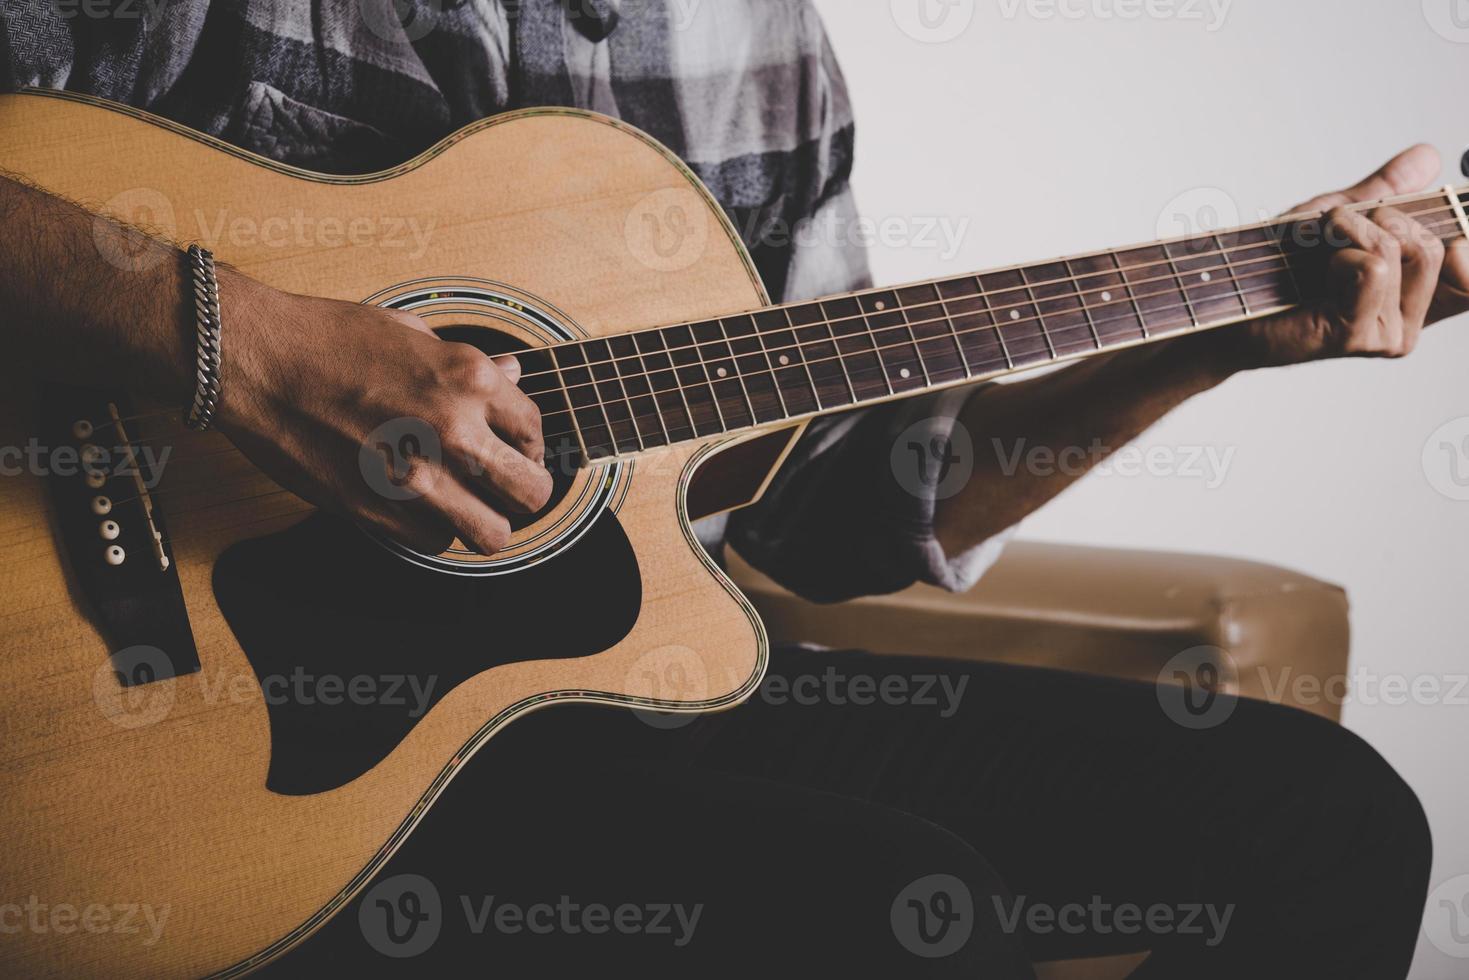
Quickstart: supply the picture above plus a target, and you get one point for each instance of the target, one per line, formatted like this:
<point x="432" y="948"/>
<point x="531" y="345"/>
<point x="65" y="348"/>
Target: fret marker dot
<point x="905" y="373"/>
<point x="880" y="305"/>
<point x="784" y="360"/>
<point x="1014" y="314"/>
<point x="1106" y="297"/>
<point x="722" y="372"/>
<point x="1205" y="276"/>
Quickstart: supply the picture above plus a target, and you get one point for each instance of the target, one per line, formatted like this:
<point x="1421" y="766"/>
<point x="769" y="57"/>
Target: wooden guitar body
<point x="240" y="812"/>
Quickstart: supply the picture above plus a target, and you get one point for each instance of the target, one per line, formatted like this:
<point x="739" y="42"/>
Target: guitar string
<point x="159" y="492"/>
<point x="1176" y="282"/>
<point x="1453" y="222"/>
<point x="1441" y="217"/>
<point x="639" y="421"/>
<point x="854" y="374"/>
<point x="1277" y="263"/>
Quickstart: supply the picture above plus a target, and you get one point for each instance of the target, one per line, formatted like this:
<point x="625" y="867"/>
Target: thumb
<point x="1405" y="173"/>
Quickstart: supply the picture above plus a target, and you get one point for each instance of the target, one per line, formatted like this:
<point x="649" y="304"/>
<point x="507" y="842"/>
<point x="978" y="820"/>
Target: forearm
<point x="84" y="300"/>
<point x="1093" y="409"/>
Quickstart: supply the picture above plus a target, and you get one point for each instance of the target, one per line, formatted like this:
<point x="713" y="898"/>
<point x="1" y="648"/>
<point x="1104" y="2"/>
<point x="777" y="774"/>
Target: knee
<point x="1363" y="808"/>
<point x="1394" y="826"/>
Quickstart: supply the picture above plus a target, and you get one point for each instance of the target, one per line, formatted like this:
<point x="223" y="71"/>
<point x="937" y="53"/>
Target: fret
<point x="591" y="416"/>
<point x="674" y="410"/>
<point x="1016" y="317"/>
<point x="1458" y="207"/>
<point x="1192" y="315"/>
<point x="1208" y="285"/>
<point x="1137" y="310"/>
<point x="979" y="337"/>
<point x="634" y="376"/>
<point x="866" y="373"/>
<point x="896" y="347"/>
<point x="1282" y="233"/>
<point x="934" y="332"/>
<point x="828" y="368"/>
<point x="1040" y="318"/>
<point x="734" y="402"/>
<point x="756" y="372"/>
<point x="609" y="390"/>
<point x="1156" y="289"/>
<point x="784" y="353"/>
<point x="1064" y="318"/>
<point x="541" y="381"/>
<point x="1109" y="303"/>
<point x="693" y="377"/>
<point x="1228" y="243"/>
<point x="1263" y="271"/>
<point x="1085" y="300"/>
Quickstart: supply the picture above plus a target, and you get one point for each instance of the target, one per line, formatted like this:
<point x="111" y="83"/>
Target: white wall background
<point x="1057" y="126"/>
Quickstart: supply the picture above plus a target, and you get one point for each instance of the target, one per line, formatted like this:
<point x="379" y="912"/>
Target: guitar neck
<point x="641" y="391"/>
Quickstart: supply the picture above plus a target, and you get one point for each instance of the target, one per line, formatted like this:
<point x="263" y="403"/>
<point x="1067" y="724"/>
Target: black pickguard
<point x="319" y="607"/>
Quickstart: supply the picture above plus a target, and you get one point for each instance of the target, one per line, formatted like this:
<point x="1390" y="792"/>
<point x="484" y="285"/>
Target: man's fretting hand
<point x="307" y="381"/>
<point x="1388" y="277"/>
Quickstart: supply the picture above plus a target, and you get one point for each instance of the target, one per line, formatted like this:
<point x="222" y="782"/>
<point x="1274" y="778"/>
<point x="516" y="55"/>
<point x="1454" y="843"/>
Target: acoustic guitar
<point x="234" y="709"/>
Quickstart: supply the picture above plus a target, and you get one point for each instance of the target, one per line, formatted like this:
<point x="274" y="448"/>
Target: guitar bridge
<point x="113" y="537"/>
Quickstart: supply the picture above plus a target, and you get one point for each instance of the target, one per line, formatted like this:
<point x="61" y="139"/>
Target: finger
<point x="1422" y="259"/>
<point x="1452" y="297"/>
<point x="517" y="420"/>
<point x="1409" y="171"/>
<point x="1352" y="229"/>
<point x="510" y="364"/>
<point x="1361" y="284"/>
<point x="476" y="523"/>
<point x="485" y="461"/>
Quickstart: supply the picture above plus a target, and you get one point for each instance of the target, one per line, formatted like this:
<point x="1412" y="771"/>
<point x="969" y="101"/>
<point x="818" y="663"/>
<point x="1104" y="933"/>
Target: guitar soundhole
<point x="562" y="452"/>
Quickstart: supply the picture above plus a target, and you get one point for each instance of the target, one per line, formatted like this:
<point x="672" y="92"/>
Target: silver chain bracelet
<point x="200" y="415"/>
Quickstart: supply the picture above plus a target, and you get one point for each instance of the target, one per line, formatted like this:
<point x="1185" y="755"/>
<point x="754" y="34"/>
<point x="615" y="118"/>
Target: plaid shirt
<point x="747" y="92"/>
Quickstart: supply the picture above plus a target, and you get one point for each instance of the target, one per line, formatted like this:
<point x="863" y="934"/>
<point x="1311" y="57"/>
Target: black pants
<point x="877" y="816"/>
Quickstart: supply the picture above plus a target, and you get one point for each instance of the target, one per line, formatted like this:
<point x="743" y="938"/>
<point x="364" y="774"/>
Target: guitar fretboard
<point x="640" y="391"/>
